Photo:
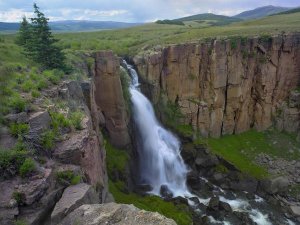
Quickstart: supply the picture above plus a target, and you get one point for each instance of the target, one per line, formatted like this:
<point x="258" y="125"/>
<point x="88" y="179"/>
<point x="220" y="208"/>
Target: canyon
<point x="220" y="87"/>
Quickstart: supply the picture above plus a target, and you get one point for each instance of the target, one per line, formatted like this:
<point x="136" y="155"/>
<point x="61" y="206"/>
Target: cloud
<point x="14" y="15"/>
<point x="130" y="10"/>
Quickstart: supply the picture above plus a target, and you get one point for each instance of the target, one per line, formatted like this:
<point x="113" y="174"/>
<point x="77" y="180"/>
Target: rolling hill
<point x="261" y="12"/>
<point x="216" y="20"/>
<point x="73" y="25"/>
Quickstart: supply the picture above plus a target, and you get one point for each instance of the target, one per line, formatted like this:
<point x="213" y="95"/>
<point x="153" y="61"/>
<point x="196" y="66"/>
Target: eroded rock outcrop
<point x="112" y="213"/>
<point x="226" y="86"/>
<point x="109" y="97"/>
<point x="73" y="197"/>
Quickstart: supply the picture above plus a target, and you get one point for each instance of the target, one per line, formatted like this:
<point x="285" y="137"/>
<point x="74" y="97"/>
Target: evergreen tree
<point x="24" y="32"/>
<point x="40" y="46"/>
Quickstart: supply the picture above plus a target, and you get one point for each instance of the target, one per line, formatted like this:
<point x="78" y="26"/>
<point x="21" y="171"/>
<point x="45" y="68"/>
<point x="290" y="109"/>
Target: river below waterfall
<point x="162" y="167"/>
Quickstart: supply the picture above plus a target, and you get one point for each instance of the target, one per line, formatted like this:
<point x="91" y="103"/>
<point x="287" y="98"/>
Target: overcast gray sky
<point x="129" y="10"/>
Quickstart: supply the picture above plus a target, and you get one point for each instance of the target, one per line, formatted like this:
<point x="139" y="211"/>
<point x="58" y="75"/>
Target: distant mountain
<point x="73" y="25"/>
<point x="261" y="12"/>
<point x="9" y="26"/>
<point x="215" y="19"/>
<point x="295" y="10"/>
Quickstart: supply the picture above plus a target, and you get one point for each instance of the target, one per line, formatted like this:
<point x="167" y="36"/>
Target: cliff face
<point x="109" y="97"/>
<point x="226" y="87"/>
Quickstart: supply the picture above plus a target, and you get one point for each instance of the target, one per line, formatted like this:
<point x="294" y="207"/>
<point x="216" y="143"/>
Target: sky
<point x="129" y="10"/>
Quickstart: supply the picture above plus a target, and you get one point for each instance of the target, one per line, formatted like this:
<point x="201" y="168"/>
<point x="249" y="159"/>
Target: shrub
<point x="19" y="129"/>
<point x="75" y="119"/>
<point x="27" y="167"/>
<point x="68" y="178"/>
<point x="35" y="93"/>
<point x="17" y="103"/>
<point x="48" y="139"/>
<point x="42" y="84"/>
<point x="59" y="120"/>
<point x="10" y="161"/>
<point x="20" y="145"/>
<point x="27" y="86"/>
<point x="52" y="76"/>
<point x="34" y="76"/>
<point x="233" y="43"/>
<point x="20" y="222"/>
<point x="19" y="197"/>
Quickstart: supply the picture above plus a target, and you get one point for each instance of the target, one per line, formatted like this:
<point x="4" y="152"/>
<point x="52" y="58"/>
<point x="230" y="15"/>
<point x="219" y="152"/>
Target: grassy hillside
<point x="261" y="12"/>
<point x="132" y="40"/>
<point x="212" y="19"/>
<point x="73" y="26"/>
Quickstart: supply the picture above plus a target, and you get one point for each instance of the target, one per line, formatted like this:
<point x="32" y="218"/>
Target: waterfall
<point x="162" y="165"/>
<point x="159" y="149"/>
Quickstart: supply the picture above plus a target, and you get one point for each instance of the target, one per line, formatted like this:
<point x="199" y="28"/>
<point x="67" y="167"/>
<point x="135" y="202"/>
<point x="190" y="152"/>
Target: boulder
<point x="276" y="185"/>
<point x="7" y="141"/>
<point x="33" y="190"/>
<point x="112" y="213"/>
<point x="73" y="197"/>
<point x="70" y="150"/>
<point x="17" y="118"/>
<point x="245" y="184"/>
<point x="207" y="161"/>
<point x="193" y="180"/>
<point x="36" y="214"/>
<point x="295" y="210"/>
<point x="225" y="206"/>
<point x="142" y="189"/>
<point x="39" y="122"/>
<point x="214" y="204"/>
<point x="165" y="192"/>
<point x="8" y="206"/>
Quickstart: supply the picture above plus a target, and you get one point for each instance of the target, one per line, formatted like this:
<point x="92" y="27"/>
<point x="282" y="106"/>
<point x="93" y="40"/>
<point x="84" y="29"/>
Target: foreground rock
<point x="113" y="213"/>
<point x="72" y="198"/>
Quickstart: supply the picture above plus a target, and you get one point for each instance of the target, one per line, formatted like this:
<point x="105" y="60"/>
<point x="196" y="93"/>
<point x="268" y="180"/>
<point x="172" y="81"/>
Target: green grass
<point x="27" y="167"/>
<point x="75" y="119"/>
<point x="116" y="159"/>
<point x="11" y="159"/>
<point x="241" y="149"/>
<point x="48" y="139"/>
<point x="179" y="213"/>
<point x="68" y="178"/>
<point x="19" y="129"/>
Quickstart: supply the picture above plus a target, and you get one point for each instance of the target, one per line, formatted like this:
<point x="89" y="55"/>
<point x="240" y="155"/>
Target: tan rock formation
<point x="224" y="87"/>
<point x="109" y="97"/>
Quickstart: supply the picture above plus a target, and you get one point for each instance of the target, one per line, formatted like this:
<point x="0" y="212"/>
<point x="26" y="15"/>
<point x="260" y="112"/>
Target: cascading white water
<point x="161" y="163"/>
<point x="159" y="149"/>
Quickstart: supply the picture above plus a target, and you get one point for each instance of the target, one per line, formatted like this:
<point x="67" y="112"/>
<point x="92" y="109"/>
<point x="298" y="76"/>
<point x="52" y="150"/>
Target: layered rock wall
<point x="109" y="97"/>
<point x="225" y="86"/>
